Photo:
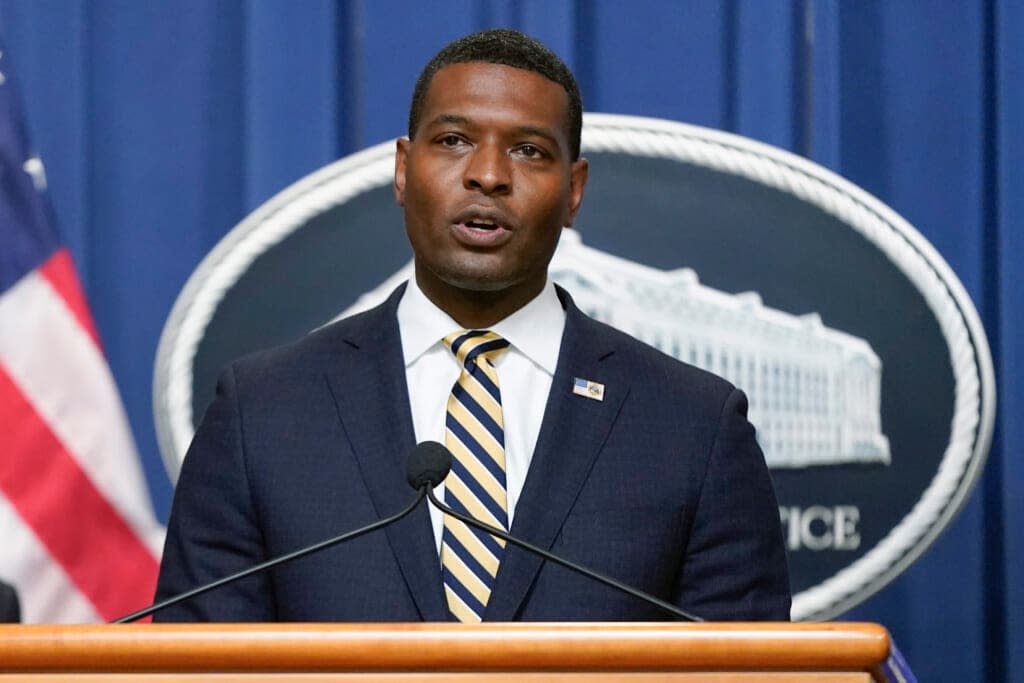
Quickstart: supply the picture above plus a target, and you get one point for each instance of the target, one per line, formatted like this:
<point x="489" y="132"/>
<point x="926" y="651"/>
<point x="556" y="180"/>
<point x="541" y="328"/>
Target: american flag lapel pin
<point x="588" y="389"/>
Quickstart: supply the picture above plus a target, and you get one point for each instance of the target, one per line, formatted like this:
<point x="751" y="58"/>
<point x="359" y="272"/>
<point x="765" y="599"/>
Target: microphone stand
<point x="601" y="578"/>
<point x="422" y="492"/>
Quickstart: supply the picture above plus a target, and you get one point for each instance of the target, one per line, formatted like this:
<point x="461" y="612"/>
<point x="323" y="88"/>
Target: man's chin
<point x="469" y="280"/>
<point x="480" y="283"/>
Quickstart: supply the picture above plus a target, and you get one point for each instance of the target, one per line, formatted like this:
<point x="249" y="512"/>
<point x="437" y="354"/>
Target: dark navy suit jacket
<point x="660" y="485"/>
<point x="10" y="610"/>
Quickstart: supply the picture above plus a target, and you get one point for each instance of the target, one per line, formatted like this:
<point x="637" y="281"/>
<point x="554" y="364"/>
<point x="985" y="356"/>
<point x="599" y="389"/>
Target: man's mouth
<point x="482" y="218"/>
<point x="481" y="228"/>
<point x="481" y="224"/>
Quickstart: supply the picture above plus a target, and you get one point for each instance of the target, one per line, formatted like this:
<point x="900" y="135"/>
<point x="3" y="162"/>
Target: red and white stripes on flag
<point x="78" y="539"/>
<point x="78" y="536"/>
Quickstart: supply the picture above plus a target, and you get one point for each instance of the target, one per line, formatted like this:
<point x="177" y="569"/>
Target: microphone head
<point x="429" y="463"/>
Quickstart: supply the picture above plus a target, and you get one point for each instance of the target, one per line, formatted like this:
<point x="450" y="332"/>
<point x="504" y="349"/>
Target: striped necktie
<point x="475" y="434"/>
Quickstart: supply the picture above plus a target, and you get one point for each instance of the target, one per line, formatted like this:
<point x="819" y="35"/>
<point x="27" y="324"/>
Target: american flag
<point x="78" y="538"/>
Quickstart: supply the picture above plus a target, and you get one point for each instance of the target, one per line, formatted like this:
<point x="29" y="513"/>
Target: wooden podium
<point x="531" y="652"/>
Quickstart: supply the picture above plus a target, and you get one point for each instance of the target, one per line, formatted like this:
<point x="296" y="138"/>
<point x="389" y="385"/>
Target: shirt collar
<point x="535" y="330"/>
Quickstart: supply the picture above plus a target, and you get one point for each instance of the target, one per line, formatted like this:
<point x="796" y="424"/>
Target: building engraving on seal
<point x="814" y="391"/>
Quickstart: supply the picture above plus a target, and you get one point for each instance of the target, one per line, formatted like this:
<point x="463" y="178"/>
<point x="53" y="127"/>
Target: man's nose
<point x="488" y="170"/>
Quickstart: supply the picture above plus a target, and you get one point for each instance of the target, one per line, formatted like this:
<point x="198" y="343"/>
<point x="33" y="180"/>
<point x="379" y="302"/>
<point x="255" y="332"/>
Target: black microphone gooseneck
<point x="494" y="531"/>
<point x="427" y="467"/>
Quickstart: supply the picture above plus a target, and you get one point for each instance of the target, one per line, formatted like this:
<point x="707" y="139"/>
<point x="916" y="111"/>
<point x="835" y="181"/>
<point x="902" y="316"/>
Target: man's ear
<point x="577" y="184"/>
<point x="401" y="154"/>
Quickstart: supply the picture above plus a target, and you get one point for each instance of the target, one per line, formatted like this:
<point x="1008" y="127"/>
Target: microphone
<point x="427" y="467"/>
<point x="439" y="451"/>
<point x="429" y="464"/>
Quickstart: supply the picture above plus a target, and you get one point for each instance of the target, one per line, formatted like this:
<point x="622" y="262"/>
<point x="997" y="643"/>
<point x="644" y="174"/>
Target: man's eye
<point x="451" y="141"/>
<point x="530" y="151"/>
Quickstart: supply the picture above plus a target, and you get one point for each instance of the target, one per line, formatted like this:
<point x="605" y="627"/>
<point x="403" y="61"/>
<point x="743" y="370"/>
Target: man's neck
<point x="480" y="309"/>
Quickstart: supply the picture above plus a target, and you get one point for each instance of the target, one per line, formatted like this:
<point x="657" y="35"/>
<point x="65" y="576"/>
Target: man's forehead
<point x="495" y="86"/>
<point x="466" y="74"/>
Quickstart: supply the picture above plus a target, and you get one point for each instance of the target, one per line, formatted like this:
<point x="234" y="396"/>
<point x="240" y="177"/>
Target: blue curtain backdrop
<point x="162" y="124"/>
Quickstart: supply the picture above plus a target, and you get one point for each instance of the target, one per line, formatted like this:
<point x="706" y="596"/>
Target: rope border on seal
<point x="904" y="246"/>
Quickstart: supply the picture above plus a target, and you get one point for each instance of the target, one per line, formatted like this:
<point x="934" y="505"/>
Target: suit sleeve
<point x="10" y="609"/>
<point x="214" y="529"/>
<point x="735" y="563"/>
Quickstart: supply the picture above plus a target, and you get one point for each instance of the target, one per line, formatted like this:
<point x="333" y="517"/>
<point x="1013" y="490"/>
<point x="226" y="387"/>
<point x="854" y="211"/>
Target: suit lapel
<point x="571" y="436"/>
<point x="368" y="383"/>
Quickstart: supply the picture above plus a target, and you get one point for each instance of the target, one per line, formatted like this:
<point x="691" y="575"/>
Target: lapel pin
<point x="591" y="390"/>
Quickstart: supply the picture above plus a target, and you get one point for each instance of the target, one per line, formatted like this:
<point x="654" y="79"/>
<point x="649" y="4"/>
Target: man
<point x="574" y="436"/>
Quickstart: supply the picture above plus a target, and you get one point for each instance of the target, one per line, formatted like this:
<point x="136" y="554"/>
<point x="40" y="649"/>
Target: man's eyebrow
<point x="459" y="119"/>
<point x="538" y="132"/>
<point x="449" y="118"/>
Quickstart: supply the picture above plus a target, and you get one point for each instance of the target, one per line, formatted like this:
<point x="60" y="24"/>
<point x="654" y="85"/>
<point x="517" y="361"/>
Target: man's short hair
<point x="510" y="48"/>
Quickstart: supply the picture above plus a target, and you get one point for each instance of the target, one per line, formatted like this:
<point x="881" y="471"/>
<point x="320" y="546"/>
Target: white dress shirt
<point x="525" y="371"/>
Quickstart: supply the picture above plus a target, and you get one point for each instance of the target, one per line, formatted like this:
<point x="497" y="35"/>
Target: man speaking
<point x="564" y="431"/>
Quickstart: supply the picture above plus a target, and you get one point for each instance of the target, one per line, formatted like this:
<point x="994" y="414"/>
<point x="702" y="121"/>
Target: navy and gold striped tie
<point x="475" y="434"/>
